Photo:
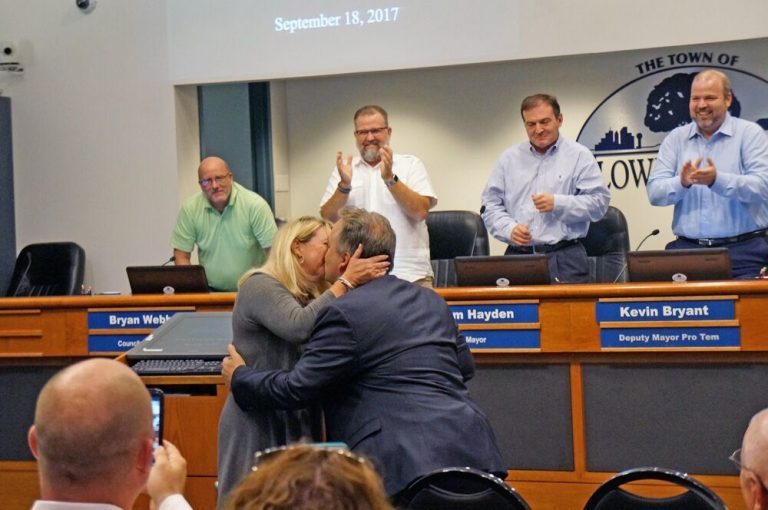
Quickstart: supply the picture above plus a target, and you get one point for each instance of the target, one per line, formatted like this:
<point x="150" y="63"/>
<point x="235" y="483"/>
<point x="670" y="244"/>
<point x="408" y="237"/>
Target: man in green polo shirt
<point x="231" y="226"/>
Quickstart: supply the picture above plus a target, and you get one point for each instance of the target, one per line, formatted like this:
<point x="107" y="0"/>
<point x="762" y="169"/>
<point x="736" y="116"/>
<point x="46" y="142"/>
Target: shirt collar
<point x="726" y="128"/>
<point x="549" y="151"/>
<point x="232" y="198"/>
<point x="359" y="161"/>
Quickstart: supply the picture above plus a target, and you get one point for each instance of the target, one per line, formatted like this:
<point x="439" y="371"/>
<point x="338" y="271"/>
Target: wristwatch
<point x="391" y="182"/>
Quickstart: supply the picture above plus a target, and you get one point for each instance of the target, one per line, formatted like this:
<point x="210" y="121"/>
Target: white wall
<point x="93" y="131"/>
<point x="458" y="120"/>
<point x="280" y="162"/>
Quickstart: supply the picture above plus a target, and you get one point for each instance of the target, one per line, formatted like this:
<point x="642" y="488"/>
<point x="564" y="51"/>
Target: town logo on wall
<point x="626" y="129"/>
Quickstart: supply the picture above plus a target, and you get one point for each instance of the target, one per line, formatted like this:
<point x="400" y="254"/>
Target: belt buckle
<point x="706" y="242"/>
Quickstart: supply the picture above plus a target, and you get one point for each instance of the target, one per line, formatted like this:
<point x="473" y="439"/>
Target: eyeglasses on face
<point x="328" y="449"/>
<point x="362" y="133"/>
<point x="220" y="179"/>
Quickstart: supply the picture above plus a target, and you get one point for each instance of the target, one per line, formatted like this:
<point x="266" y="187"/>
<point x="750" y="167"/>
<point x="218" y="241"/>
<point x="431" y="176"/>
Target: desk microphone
<point x="655" y="232"/>
<point x="173" y="259"/>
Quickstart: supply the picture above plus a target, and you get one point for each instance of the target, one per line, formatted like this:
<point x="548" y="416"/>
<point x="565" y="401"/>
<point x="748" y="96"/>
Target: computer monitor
<point x="167" y="279"/>
<point x="501" y="270"/>
<point x="679" y="265"/>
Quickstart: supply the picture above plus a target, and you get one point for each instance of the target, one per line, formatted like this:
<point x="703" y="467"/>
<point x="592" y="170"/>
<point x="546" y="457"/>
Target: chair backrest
<point x="453" y="234"/>
<point x="607" y="243"/>
<point x="48" y="269"/>
<point x="610" y="495"/>
<point x="460" y="488"/>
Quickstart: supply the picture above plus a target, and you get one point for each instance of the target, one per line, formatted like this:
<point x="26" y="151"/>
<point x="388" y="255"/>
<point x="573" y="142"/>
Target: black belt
<point x="543" y="248"/>
<point x="722" y="241"/>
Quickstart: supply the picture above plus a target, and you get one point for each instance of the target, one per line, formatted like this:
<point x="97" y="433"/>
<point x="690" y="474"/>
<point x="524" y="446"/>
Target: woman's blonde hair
<point x="305" y="477"/>
<point x="284" y="265"/>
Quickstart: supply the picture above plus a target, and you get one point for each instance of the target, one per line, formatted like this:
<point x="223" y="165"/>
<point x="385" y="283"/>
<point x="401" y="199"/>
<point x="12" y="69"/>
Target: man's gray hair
<point x="370" y="229"/>
<point x="371" y="109"/>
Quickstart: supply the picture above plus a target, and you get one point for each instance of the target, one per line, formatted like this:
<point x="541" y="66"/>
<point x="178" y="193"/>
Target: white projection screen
<point x="242" y="40"/>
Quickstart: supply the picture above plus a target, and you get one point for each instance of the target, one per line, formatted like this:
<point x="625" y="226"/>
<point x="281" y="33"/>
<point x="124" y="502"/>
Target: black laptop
<point x="501" y="270"/>
<point x="679" y="265"/>
<point x="187" y="335"/>
<point x="186" y="344"/>
<point x="167" y="279"/>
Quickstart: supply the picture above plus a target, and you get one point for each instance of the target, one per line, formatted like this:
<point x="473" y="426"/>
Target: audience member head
<point x="215" y="180"/>
<point x="355" y="227"/>
<point x="710" y="99"/>
<point x="93" y="435"/>
<point x="297" y="257"/>
<point x="542" y="120"/>
<point x="753" y="462"/>
<point x="305" y="477"/>
<point x="372" y="132"/>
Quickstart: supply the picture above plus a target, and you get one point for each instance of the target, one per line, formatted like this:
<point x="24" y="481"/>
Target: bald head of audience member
<point x="93" y="435"/>
<point x="754" y="462"/>
<point x="305" y="477"/>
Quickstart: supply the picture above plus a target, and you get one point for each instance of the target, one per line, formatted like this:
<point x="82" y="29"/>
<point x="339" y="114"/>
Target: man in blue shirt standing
<point x="542" y="194"/>
<point x="714" y="170"/>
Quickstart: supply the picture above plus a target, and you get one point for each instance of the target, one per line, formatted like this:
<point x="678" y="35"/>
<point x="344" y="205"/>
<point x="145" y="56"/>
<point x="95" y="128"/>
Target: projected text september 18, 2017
<point x="359" y="18"/>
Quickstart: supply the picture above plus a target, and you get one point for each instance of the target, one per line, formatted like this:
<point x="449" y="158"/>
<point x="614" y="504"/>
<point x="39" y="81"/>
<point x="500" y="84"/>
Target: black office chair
<point x="459" y="489"/>
<point x="607" y="244"/>
<point x="453" y="234"/>
<point x="48" y="269"/>
<point x="610" y="495"/>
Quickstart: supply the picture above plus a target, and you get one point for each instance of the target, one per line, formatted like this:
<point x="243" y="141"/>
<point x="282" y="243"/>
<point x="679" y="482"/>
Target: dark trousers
<point x="568" y="265"/>
<point x="747" y="257"/>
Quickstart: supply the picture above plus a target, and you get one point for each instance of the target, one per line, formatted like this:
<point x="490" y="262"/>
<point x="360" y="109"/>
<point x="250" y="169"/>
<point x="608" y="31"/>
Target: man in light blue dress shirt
<point x="714" y="171"/>
<point x="543" y="193"/>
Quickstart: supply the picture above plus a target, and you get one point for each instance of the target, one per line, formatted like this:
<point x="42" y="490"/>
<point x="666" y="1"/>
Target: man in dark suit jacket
<point x="388" y="366"/>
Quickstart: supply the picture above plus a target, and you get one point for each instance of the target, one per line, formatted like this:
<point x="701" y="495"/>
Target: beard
<point x="710" y="121"/>
<point x="370" y="153"/>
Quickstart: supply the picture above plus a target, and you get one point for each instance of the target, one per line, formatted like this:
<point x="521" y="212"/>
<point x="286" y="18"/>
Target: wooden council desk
<point x="573" y="391"/>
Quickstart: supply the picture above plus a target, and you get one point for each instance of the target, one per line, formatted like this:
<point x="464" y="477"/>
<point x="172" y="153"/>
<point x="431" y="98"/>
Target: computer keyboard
<point x="177" y="367"/>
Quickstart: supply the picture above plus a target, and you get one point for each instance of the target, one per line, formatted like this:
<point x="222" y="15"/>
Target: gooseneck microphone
<point x="172" y="259"/>
<point x="655" y="232"/>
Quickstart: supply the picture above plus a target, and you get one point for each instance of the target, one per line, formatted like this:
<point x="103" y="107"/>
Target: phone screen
<point x="157" y="414"/>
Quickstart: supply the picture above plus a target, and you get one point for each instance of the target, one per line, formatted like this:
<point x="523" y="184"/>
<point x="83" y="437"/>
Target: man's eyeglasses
<point x="220" y="179"/>
<point x="327" y="449"/>
<point x="735" y="457"/>
<point x="362" y="133"/>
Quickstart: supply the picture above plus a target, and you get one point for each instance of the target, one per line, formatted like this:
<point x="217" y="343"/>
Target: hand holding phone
<point x="158" y="401"/>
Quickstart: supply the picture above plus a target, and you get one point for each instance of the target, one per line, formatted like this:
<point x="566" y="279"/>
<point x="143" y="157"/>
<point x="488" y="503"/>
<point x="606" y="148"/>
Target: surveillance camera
<point x="9" y="58"/>
<point x="8" y="53"/>
<point x="7" y="50"/>
<point x="86" y="5"/>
